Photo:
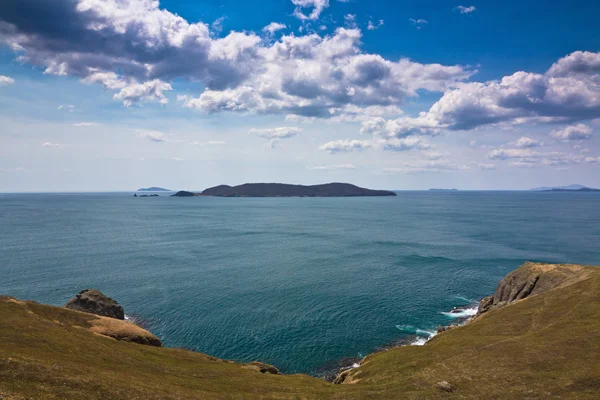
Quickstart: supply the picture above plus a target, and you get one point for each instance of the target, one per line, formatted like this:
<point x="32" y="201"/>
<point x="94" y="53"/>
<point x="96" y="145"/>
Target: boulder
<point x="263" y="368"/>
<point x="445" y="386"/>
<point x="94" y="302"/>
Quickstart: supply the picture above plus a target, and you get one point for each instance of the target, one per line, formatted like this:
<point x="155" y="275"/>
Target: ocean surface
<point x="299" y="283"/>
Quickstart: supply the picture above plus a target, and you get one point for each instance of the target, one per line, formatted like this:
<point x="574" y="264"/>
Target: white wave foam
<point x="461" y="312"/>
<point x="422" y="335"/>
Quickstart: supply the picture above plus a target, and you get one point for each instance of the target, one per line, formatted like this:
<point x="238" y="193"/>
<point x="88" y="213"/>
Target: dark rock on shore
<point x="264" y="368"/>
<point x="529" y="280"/>
<point x="94" y="302"/>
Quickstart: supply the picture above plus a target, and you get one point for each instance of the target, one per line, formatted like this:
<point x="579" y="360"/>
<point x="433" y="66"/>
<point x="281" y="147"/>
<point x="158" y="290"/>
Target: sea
<point x="300" y="283"/>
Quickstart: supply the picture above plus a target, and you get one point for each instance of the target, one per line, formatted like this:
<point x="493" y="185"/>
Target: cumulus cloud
<point x="273" y="27"/>
<point x="525" y="142"/>
<point x="568" y="91"/>
<point x="314" y="76"/>
<point x="572" y="133"/>
<point x="6" y="80"/>
<point x="153" y="136"/>
<point x="391" y="144"/>
<point x="335" y="167"/>
<point x="135" y="49"/>
<point x="345" y="146"/>
<point x="465" y="9"/>
<point x="317" y="7"/>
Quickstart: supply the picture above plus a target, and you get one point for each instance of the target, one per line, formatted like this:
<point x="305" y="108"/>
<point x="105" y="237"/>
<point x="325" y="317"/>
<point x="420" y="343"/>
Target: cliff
<point x="540" y="340"/>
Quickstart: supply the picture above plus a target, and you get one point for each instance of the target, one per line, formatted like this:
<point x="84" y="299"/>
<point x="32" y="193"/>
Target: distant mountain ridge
<point x="335" y="189"/>
<point x="568" y="187"/>
<point x="154" y="189"/>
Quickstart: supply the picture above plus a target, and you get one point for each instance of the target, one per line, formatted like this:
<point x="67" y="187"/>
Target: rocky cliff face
<point x="94" y="302"/>
<point x="529" y="280"/>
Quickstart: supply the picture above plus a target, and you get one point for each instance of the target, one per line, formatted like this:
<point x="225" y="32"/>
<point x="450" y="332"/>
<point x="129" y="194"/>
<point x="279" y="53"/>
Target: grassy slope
<point x="546" y="346"/>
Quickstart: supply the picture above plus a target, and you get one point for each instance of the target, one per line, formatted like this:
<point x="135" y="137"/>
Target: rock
<point x="441" y="329"/>
<point x="529" y="280"/>
<point x="94" y="302"/>
<point x="445" y="386"/>
<point x="341" y="377"/>
<point x="264" y="368"/>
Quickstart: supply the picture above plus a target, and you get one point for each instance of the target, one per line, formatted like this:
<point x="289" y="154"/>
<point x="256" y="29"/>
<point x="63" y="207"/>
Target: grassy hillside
<point x="543" y="347"/>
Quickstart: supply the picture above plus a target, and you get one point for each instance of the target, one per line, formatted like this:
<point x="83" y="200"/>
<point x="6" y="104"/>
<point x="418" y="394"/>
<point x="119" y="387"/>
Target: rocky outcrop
<point x="529" y="280"/>
<point x="123" y="331"/>
<point x="263" y="368"/>
<point x="94" y="302"/>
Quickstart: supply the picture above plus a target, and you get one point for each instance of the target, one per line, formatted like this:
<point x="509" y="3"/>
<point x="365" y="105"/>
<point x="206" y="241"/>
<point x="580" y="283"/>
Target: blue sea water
<point x="295" y="282"/>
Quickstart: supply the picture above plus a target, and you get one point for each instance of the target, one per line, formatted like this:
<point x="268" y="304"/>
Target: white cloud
<point x="283" y="132"/>
<point x="371" y="26"/>
<point x="466" y="10"/>
<point x="525" y="142"/>
<point x="84" y="124"/>
<point x="572" y="133"/>
<point x="418" y="23"/>
<point x="568" y="91"/>
<point x="335" y="167"/>
<point x="273" y="27"/>
<point x="153" y="136"/>
<point x="317" y="7"/>
<point x="528" y="158"/>
<point x="66" y="107"/>
<point x="344" y="146"/>
<point x="50" y="144"/>
<point x="350" y="20"/>
<point x="217" y="25"/>
<point x="17" y="169"/>
<point x="405" y="143"/>
<point x="6" y="80"/>
<point x="274" y="135"/>
<point x="307" y="75"/>
<point x="435" y="166"/>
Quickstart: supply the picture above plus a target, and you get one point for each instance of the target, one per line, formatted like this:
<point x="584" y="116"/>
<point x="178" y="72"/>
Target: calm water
<point x="294" y="282"/>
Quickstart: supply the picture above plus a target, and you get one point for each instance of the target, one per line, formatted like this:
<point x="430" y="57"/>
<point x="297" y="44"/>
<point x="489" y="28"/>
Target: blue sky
<point x="119" y="94"/>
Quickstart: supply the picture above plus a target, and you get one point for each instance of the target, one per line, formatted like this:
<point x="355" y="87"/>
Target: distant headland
<point x="569" y="188"/>
<point x="287" y="190"/>
<point x="154" y="189"/>
<point x="443" y="190"/>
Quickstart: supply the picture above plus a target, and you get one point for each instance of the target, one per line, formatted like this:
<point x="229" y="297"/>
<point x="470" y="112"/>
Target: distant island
<point x="443" y="190"/>
<point x="154" y="189"/>
<point x="286" y="190"/>
<point x="585" y="189"/>
<point x="559" y="188"/>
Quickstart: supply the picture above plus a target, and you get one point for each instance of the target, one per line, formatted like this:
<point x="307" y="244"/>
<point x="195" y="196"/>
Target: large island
<point x="286" y="190"/>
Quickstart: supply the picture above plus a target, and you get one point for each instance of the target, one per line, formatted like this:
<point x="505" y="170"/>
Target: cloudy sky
<point x="395" y="94"/>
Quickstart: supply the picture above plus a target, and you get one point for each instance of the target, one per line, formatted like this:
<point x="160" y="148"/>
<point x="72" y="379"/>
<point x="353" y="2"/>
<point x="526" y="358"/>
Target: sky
<point x="114" y="95"/>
